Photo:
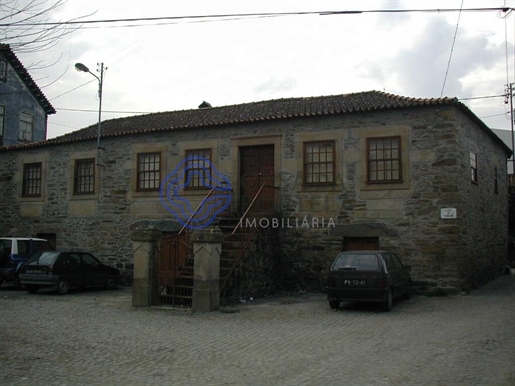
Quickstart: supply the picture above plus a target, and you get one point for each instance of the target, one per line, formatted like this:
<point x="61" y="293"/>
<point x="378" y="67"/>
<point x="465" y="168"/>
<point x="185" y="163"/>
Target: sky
<point x="178" y="64"/>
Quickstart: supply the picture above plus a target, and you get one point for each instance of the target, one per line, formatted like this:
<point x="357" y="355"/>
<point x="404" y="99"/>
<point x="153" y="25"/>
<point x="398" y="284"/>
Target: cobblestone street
<point x="97" y="338"/>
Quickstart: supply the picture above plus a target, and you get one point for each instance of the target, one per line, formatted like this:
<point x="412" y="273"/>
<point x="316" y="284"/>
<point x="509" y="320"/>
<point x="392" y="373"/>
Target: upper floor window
<point x="3" y="70"/>
<point x="84" y="176"/>
<point x="26" y="126"/>
<point x="198" y="168"/>
<point x="2" y="118"/>
<point x="31" y="180"/>
<point x="319" y="163"/>
<point x="473" y="167"/>
<point x="384" y="160"/>
<point x="149" y="171"/>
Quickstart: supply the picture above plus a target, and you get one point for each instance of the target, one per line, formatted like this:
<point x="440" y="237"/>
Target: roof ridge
<point x="248" y="112"/>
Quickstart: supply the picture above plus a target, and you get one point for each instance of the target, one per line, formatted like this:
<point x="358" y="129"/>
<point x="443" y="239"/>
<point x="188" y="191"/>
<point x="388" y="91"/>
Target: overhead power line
<point x="266" y="14"/>
<point x="452" y="49"/>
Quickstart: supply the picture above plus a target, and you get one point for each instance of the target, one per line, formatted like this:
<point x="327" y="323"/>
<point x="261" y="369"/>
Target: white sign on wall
<point x="448" y="213"/>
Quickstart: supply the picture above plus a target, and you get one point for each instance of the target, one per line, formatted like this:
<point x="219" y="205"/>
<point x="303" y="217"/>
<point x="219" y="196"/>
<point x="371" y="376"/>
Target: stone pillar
<point x="207" y="247"/>
<point x="144" y="250"/>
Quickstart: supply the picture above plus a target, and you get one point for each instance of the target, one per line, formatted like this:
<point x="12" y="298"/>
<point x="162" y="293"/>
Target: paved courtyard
<point x="97" y="338"/>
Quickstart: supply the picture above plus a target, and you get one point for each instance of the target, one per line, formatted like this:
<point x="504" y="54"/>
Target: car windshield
<point x="43" y="258"/>
<point x="358" y="262"/>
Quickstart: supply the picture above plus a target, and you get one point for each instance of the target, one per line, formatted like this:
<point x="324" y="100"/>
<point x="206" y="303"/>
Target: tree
<point x="27" y="25"/>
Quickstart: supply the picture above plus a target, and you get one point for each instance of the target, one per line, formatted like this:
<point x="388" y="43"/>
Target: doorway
<point x="256" y="170"/>
<point x="360" y="243"/>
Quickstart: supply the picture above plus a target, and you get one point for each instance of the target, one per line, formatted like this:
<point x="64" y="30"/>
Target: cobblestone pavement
<point x="97" y="338"/>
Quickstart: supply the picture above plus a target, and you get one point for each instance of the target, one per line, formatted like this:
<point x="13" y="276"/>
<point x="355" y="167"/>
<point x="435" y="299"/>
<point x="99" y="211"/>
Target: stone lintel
<point x="145" y="235"/>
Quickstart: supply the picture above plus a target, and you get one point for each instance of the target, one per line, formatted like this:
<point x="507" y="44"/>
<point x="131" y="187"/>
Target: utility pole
<point x="81" y="67"/>
<point x="509" y="94"/>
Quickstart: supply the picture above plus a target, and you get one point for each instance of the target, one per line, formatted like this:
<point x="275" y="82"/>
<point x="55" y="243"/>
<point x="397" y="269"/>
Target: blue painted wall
<point x="16" y="99"/>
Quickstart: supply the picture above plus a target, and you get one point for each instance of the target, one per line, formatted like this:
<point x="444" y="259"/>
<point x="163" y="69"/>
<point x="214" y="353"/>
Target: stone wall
<point x="259" y="272"/>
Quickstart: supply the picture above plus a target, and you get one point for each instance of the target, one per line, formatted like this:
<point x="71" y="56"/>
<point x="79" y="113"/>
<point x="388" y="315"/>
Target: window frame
<point x="473" y="168"/>
<point x="306" y="164"/>
<point x="28" y="187"/>
<point x="78" y="178"/>
<point x="199" y="170"/>
<point x="383" y="160"/>
<point x="3" y="69"/>
<point x="140" y="182"/>
<point x="24" y="124"/>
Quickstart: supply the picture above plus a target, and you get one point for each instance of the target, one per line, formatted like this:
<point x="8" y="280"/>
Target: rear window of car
<point x="6" y="244"/>
<point x="43" y="258"/>
<point x="360" y="262"/>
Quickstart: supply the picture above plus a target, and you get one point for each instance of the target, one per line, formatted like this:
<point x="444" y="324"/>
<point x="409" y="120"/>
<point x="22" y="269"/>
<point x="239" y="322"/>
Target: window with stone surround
<point x="149" y="171"/>
<point x="26" y="127"/>
<point x="319" y="163"/>
<point x="473" y="167"/>
<point x="384" y="163"/>
<point x="31" y="186"/>
<point x="84" y="176"/>
<point x="198" y="169"/>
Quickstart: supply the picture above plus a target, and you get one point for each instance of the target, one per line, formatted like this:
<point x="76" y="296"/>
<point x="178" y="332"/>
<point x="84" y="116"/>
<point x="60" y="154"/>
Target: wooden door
<point x="360" y="243"/>
<point x="257" y="169"/>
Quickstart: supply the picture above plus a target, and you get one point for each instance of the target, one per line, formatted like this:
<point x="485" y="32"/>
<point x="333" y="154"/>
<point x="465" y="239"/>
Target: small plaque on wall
<point x="448" y="213"/>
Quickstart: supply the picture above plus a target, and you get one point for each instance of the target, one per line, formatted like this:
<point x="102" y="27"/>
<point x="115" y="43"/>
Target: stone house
<point x="425" y="178"/>
<point x="24" y="109"/>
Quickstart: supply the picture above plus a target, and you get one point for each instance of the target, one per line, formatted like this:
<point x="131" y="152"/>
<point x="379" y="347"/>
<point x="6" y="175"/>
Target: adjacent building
<point x="425" y="178"/>
<point x="24" y="109"/>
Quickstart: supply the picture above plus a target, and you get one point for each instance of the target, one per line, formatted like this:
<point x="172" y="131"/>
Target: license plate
<point x="38" y="272"/>
<point x="354" y="282"/>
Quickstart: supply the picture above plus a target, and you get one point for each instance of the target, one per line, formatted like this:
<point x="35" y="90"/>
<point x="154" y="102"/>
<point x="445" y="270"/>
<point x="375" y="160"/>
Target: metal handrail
<point x="247" y="242"/>
<point x="198" y="207"/>
<point x="248" y="209"/>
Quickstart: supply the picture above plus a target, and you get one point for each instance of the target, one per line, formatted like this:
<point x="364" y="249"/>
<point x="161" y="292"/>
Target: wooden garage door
<point x="360" y="243"/>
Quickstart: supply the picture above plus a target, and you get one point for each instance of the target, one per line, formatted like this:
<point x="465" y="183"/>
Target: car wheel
<point x="334" y="304"/>
<point x="388" y="303"/>
<point x="111" y="282"/>
<point x="62" y="287"/>
<point x="31" y="288"/>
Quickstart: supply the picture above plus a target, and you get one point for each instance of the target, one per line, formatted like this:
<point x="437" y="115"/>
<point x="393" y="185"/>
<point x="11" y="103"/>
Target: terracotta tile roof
<point x="13" y="60"/>
<point x="252" y="112"/>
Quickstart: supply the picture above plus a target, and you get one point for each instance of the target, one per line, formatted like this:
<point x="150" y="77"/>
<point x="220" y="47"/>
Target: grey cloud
<point x="421" y="69"/>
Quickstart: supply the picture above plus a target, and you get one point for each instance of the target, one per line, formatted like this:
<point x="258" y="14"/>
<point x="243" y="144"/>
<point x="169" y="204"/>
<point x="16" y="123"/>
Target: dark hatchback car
<point x="63" y="270"/>
<point x="368" y="276"/>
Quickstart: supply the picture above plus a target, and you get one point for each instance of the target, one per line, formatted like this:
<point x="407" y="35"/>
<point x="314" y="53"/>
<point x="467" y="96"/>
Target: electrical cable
<point x="452" y="49"/>
<point x="247" y="15"/>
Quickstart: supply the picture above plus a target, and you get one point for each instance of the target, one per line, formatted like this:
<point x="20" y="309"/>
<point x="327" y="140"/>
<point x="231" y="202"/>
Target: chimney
<point x="204" y="105"/>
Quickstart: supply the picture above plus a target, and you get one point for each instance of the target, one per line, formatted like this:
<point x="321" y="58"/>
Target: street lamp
<point x="82" y="68"/>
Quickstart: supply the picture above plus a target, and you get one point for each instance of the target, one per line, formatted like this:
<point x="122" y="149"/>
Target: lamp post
<point x="82" y="68"/>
